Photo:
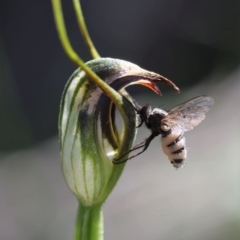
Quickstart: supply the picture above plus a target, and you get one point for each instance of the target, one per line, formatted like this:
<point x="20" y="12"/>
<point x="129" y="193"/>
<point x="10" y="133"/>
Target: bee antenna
<point x="134" y="104"/>
<point x="137" y="108"/>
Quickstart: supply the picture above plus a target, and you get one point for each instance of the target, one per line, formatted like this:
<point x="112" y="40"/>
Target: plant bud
<point x="89" y="138"/>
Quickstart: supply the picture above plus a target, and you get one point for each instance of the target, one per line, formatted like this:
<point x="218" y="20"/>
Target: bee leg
<point x="140" y="124"/>
<point x="147" y="142"/>
<point x="144" y="144"/>
<point x="140" y="145"/>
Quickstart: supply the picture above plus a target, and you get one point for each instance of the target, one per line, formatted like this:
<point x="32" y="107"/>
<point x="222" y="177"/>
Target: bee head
<point x="144" y="113"/>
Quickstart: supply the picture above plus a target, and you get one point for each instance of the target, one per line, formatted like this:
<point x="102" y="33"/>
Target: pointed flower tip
<point x="176" y="88"/>
<point x="168" y="82"/>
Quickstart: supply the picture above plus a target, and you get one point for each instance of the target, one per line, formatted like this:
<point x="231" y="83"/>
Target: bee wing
<point x="188" y="114"/>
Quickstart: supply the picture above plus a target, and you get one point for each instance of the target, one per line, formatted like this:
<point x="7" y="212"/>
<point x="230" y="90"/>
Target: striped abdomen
<point x="173" y="145"/>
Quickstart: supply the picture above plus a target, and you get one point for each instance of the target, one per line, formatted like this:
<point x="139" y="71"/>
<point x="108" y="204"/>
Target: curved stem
<point x="89" y="223"/>
<point x="83" y="29"/>
<point x="61" y="29"/>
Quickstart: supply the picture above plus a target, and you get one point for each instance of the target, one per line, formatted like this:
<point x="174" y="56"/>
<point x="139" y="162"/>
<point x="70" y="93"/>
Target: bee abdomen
<point x="179" y="150"/>
<point x="174" y="147"/>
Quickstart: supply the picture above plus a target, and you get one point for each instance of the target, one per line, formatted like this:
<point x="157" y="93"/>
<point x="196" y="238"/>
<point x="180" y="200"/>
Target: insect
<point x="171" y="125"/>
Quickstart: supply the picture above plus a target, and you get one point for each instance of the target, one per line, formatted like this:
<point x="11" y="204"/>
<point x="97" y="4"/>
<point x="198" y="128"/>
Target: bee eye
<point x="165" y="127"/>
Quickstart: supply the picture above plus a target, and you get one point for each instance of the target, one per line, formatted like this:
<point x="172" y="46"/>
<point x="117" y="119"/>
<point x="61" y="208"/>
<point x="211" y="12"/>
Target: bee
<point x="171" y="125"/>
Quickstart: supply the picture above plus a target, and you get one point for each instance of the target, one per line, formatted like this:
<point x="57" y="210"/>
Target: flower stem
<point x="61" y="29"/>
<point x="83" y="29"/>
<point x="89" y="223"/>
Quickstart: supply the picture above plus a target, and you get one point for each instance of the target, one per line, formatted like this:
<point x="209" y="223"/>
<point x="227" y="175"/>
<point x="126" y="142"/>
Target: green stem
<point x="83" y="29"/>
<point x="61" y="29"/>
<point x="89" y="223"/>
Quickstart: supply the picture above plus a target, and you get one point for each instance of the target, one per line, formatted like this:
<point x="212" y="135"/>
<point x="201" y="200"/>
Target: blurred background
<point x="193" y="43"/>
